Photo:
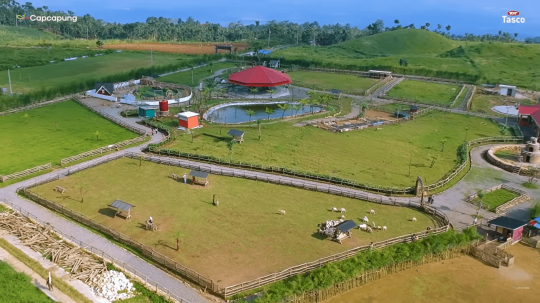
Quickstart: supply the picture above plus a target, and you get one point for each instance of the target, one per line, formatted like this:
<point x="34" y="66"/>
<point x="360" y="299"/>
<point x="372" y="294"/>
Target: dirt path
<point x="37" y="280"/>
<point x="463" y="279"/>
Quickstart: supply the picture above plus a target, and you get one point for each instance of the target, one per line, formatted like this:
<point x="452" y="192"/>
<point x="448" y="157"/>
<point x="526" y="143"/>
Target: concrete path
<point x="175" y="286"/>
<point x="450" y="202"/>
<point x="481" y="176"/>
<point x="37" y="280"/>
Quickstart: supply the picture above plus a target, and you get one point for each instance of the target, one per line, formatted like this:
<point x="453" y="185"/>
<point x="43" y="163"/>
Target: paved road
<point x="172" y="284"/>
<point x="450" y="202"/>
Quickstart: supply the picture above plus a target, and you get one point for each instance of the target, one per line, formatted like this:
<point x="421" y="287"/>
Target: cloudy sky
<point x="465" y="16"/>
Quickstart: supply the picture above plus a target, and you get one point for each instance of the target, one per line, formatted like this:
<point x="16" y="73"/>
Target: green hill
<point x="10" y="35"/>
<point x="428" y="54"/>
<point x="400" y="42"/>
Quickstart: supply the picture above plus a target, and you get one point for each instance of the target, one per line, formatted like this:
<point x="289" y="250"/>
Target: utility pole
<point x="269" y="37"/>
<point x="9" y="77"/>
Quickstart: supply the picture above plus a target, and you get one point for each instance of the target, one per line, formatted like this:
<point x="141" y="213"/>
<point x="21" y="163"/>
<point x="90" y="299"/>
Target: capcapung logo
<point x="47" y="18"/>
<point x="512" y="18"/>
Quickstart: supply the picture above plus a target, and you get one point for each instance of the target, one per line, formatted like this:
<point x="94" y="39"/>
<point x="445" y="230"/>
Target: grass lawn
<point x="496" y="198"/>
<point x="484" y="103"/>
<point x="391" y="107"/>
<point x="349" y="84"/>
<point x="11" y="57"/>
<point x="241" y="239"/>
<point x="17" y="287"/>
<point x="508" y="155"/>
<point x="530" y="185"/>
<point x="31" y="78"/>
<point x="198" y="74"/>
<point x="372" y="156"/>
<point x="34" y="140"/>
<point x="424" y="92"/>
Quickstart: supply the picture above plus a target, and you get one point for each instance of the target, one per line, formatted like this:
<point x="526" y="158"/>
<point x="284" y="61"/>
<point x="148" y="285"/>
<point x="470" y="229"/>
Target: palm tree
<point x="269" y="111"/>
<point x="253" y="90"/>
<point x="97" y="135"/>
<point x="271" y="91"/>
<point x="230" y="145"/>
<point x="303" y="102"/>
<point x="296" y="108"/>
<point x="259" y="125"/>
<point x="284" y="107"/>
<point x="250" y="113"/>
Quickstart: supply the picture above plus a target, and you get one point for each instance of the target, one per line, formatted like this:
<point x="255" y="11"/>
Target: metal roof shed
<point x="238" y="135"/>
<point x="199" y="174"/>
<point x="122" y="206"/>
<point x="509" y="227"/>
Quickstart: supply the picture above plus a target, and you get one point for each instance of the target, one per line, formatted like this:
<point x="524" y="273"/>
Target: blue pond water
<point x="236" y="113"/>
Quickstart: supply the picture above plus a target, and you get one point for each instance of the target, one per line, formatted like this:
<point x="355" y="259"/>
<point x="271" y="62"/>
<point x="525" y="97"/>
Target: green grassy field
<point x="496" y="198"/>
<point x="11" y="57"/>
<point x="428" y="54"/>
<point x="373" y="156"/>
<point x="33" y="140"/>
<point x="10" y="35"/>
<point x="198" y="74"/>
<point x="326" y="81"/>
<point x="424" y="92"/>
<point x="31" y="78"/>
<point x="243" y="238"/>
<point x="18" y="287"/>
<point x="391" y="107"/>
<point x="484" y="103"/>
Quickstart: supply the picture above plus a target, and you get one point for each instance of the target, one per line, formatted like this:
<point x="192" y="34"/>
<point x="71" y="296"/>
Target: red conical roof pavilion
<point x="259" y="76"/>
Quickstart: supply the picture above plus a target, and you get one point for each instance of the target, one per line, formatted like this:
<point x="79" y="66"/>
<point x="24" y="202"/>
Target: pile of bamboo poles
<point x="80" y="264"/>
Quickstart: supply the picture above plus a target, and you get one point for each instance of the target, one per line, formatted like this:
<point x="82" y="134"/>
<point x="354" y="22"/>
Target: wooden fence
<point x="377" y="85"/>
<point x="470" y="95"/>
<point x="457" y="96"/>
<point x="36" y="105"/>
<point x="146" y="251"/>
<point x="25" y="173"/>
<point x="101" y="150"/>
<point x="520" y="199"/>
<point x="307" y="267"/>
<point x="202" y="281"/>
<point x="154" y="148"/>
<point x="131" y="272"/>
<point x="138" y="130"/>
<point x="322" y="295"/>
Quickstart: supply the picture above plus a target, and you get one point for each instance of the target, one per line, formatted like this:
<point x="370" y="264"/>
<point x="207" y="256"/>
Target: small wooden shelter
<point x="122" y="206"/>
<point x="237" y="135"/>
<point x="104" y="88"/>
<point x="508" y="227"/>
<point x="188" y="120"/>
<point x="203" y="177"/>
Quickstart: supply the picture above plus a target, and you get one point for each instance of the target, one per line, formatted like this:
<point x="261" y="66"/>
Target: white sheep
<point x="365" y="219"/>
<point x="373" y="224"/>
<point x="341" y="220"/>
<point x="281" y="211"/>
<point x="379" y="228"/>
<point x="369" y="230"/>
<point x="413" y="219"/>
<point x="372" y="212"/>
<point x="334" y="209"/>
<point x="362" y="226"/>
<point x="343" y="210"/>
<point x="384" y="228"/>
<point x="342" y="216"/>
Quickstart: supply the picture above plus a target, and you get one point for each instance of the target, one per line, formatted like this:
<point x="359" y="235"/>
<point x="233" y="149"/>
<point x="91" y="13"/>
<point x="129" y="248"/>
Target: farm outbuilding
<point x="337" y="230"/>
<point x="237" y="135"/>
<point x="508" y="227"/>
<point x="530" y="116"/>
<point x="273" y="64"/>
<point x="507" y="90"/>
<point x="188" y="120"/>
<point x="259" y="76"/>
<point x="147" y="111"/>
<point x="413" y="109"/>
<point x="379" y="74"/>
<point x="203" y="177"/>
<point x="104" y="88"/>
<point x="122" y="206"/>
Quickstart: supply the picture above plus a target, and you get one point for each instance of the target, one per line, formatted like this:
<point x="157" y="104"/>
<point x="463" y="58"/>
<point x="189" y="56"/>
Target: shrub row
<point x="426" y="72"/>
<point x="344" y="270"/>
<point x="13" y="101"/>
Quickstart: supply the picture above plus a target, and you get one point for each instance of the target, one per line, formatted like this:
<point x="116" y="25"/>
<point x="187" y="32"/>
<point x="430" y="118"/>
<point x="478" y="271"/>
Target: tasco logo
<point x="512" y="18"/>
<point x="23" y="17"/>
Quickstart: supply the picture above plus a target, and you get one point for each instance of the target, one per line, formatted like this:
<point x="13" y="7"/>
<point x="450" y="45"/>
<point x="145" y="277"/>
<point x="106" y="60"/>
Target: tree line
<point x="168" y="29"/>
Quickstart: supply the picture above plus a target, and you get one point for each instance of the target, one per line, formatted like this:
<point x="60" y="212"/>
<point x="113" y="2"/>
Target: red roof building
<point x="260" y="76"/>
<point x="530" y="115"/>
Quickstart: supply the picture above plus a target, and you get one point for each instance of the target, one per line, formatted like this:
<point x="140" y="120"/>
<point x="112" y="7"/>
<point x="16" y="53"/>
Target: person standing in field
<point x="185" y="178"/>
